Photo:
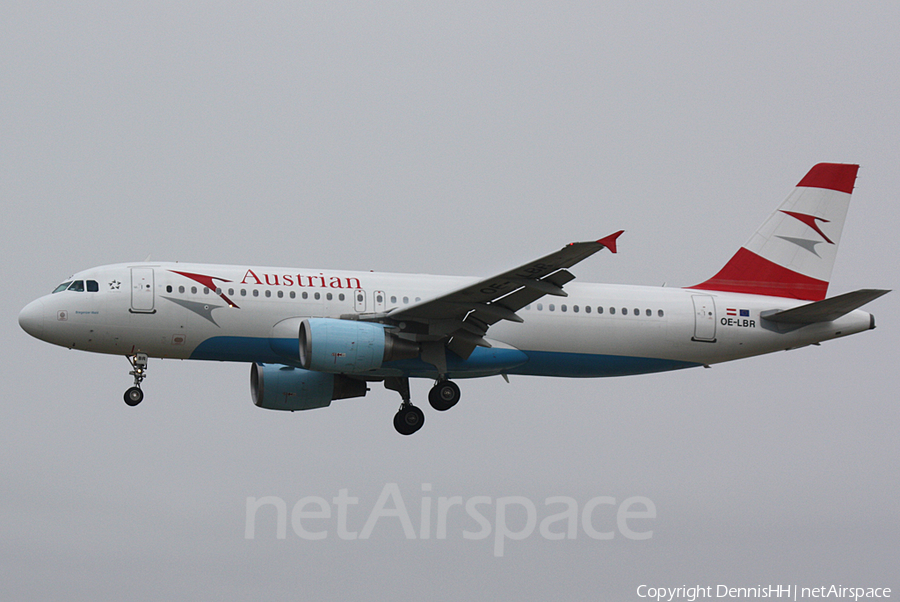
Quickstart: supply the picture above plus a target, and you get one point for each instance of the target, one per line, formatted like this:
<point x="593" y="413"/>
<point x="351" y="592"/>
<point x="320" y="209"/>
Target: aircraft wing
<point x="464" y="315"/>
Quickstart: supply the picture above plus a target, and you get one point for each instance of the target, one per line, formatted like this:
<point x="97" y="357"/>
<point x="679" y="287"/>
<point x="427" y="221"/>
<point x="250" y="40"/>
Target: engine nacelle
<point x="277" y="387"/>
<point x="349" y="347"/>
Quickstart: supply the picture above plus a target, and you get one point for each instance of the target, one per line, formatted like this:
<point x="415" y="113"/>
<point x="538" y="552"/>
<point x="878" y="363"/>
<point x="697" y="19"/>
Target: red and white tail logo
<point x="792" y="254"/>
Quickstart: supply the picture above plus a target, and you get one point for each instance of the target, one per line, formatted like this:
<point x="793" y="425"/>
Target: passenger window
<point x="280" y="294"/>
<point x="329" y="296"/>
<point x="205" y="290"/>
<point x="393" y="299"/>
<point x="193" y="290"/>
<point x="255" y="293"/>
<point x="624" y="311"/>
<point x="77" y="286"/>
<point x="405" y="300"/>
<point x="649" y="313"/>
<point x="293" y="295"/>
<point x="180" y="289"/>
<point x="563" y="307"/>
<point x="575" y="308"/>
<point x="62" y="287"/>
<point x="612" y="311"/>
<point x="551" y="307"/>
<point x="600" y="310"/>
<point x="305" y="295"/>
<point x="341" y="297"/>
<point x="318" y="296"/>
<point x="169" y="288"/>
<point x="92" y="286"/>
<point x="378" y="298"/>
<point x="269" y="293"/>
<point x="587" y="309"/>
<point x="243" y="292"/>
<point x="660" y="313"/>
<point x="540" y="306"/>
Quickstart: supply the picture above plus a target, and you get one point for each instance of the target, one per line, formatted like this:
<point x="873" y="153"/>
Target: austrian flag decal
<point x="739" y="318"/>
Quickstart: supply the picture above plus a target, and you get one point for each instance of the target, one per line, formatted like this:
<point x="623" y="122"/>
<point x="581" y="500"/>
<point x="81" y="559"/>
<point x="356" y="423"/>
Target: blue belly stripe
<point x="482" y="361"/>
<point x="239" y="349"/>
<point x="578" y="365"/>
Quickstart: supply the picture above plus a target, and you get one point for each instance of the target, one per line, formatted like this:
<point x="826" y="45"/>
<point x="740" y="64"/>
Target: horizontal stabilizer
<point x="825" y="310"/>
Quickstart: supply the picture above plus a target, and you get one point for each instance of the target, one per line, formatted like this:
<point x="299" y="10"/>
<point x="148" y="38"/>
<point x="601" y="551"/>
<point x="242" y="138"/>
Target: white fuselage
<point x="233" y="313"/>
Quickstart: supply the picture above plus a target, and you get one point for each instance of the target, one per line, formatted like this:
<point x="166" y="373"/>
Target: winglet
<point x="610" y="241"/>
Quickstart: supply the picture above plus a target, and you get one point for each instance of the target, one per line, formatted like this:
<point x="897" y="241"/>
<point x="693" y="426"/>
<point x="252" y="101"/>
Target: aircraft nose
<point x="31" y="319"/>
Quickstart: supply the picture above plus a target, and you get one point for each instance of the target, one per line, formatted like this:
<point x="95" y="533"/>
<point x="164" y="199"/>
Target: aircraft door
<point x="379" y="301"/>
<point x="359" y="300"/>
<point x="704" y="318"/>
<point x="142" y="290"/>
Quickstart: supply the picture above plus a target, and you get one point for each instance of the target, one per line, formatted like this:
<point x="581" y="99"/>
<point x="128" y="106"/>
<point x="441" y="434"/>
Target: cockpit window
<point x="78" y="286"/>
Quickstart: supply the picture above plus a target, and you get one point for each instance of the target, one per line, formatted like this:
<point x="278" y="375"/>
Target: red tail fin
<point x="792" y="254"/>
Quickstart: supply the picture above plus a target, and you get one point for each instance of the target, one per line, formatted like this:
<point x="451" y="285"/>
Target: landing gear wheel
<point x="134" y="396"/>
<point x="408" y="420"/>
<point x="443" y="395"/>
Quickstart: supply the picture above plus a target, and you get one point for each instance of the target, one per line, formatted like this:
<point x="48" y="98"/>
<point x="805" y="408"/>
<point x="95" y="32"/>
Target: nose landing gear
<point x="135" y="395"/>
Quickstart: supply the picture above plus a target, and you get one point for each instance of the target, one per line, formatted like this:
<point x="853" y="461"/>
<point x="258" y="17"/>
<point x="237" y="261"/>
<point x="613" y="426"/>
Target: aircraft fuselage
<point x="233" y="313"/>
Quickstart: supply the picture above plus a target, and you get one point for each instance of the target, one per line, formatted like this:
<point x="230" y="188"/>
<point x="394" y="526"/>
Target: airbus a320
<point x="313" y="336"/>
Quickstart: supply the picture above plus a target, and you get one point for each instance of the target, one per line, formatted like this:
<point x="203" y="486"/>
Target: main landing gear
<point x="443" y="395"/>
<point x="135" y="395"/>
<point x="409" y="418"/>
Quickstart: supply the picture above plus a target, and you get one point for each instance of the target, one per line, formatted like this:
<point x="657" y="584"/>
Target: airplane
<point x="313" y="336"/>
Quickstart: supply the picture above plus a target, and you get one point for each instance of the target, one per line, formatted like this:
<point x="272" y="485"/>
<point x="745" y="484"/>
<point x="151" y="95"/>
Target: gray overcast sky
<point x="459" y="138"/>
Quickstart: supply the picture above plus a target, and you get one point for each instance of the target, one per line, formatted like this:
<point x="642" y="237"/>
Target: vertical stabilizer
<point x="792" y="253"/>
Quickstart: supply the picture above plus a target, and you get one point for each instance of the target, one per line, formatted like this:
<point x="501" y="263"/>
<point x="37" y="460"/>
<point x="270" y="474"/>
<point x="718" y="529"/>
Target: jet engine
<point x="350" y="347"/>
<point x="277" y="387"/>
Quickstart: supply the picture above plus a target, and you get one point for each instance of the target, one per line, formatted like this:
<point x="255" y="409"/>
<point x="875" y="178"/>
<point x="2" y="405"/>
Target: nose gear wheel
<point x="135" y="395"/>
